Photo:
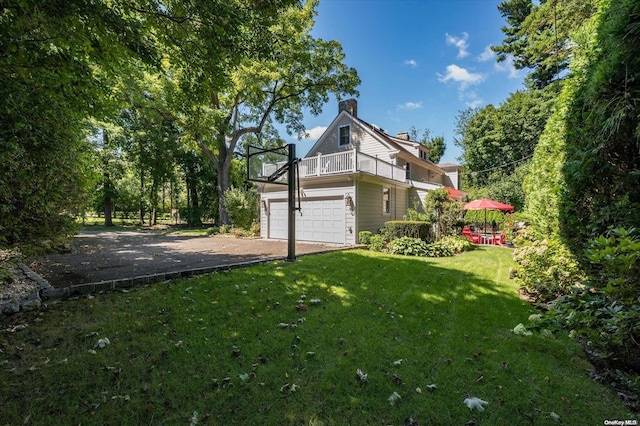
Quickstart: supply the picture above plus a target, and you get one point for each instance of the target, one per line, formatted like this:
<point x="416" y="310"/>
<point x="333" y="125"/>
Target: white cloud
<point x="471" y="99"/>
<point x="411" y="62"/>
<point x="461" y="76"/>
<point x="487" y="54"/>
<point x="313" y="134"/>
<point x="459" y="42"/>
<point x="508" y="67"/>
<point x="410" y="105"/>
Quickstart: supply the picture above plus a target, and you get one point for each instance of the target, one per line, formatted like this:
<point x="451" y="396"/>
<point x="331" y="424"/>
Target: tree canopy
<point x="160" y="78"/>
<point x="538" y="37"/>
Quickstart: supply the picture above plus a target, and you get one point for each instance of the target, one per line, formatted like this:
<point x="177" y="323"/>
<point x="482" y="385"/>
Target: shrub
<point x="254" y="231"/>
<point x="456" y="243"/>
<point x="408" y="246"/>
<point x="213" y="230"/>
<point x="415" y="216"/>
<point x="242" y="206"/>
<point x="547" y="269"/>
<point x="193" y="215"/>
<point x="405" y="228"/>
<point x="377" y="243"/>
<point x="438" y="249"/>
<point x="225" y="229"/>
<point x="364" y="237"/>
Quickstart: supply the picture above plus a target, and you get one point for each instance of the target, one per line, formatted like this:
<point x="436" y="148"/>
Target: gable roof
<point x="397" y="143"/>
<point x="394" y="144"/>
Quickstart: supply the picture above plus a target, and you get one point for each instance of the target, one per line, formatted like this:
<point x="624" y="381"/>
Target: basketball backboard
<point x="267" y="165"/>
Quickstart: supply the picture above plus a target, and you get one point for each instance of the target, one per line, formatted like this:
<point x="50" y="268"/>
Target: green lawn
<point x="253" y="347"/>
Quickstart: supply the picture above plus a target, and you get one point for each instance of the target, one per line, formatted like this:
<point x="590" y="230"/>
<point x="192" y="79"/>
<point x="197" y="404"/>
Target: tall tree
<point x="495" y="141"/>
<point x="436" y="145"/>
<point x="538" y="37"/>
<point x="57" y="59"/>
<point x="298" y="74"/>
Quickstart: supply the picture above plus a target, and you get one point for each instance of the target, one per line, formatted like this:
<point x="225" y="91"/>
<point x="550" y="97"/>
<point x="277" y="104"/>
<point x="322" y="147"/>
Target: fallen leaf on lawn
<point x="394" y="398"/>
<point x="397" y="362"/>
<point x="101" y="343"/>
<point x="475" y="403"/>
<point x="244" y="377"/>
<point x="363" y="377"/>
<point x="431" y="386"/>
<point x="554" y="416"/>
<point x="521" y="330"/>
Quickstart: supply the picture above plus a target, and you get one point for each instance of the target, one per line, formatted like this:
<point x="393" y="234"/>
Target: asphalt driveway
<point x="110" y="255"/>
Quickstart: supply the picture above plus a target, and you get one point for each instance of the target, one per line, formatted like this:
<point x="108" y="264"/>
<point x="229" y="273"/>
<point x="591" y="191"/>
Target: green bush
<point x="364" y="237"/>
<point x="438" y="249"/>
<point x="604" y="313"/>
<point x="377" y="243"/>
<point x="193" y="215"/>
<point x="405" y="228"/>
<point x="456" y="243"/>
<point x="225" y="229"/>
<point x="242" y="207"/>
<point x="213" y="230"/>
<point x="415" y="216"/>
<point x="408" y="246"/>
<point x="546" y="268"/>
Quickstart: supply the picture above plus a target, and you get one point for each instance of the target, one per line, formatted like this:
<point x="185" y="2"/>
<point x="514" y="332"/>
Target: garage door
<point x="320" y="220"/>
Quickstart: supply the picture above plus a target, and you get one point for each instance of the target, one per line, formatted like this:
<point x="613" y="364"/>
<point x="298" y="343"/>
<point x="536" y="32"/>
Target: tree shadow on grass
<point x="281" y="343"/>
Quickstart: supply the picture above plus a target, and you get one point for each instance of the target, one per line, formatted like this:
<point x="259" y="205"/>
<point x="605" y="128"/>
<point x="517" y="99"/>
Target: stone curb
<point x="127" y="283"/>
<point x="49" y="292"/>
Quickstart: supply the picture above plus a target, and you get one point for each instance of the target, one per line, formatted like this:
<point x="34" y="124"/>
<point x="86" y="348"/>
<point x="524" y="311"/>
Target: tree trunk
<point x="141" y="204"/>
<point x="222" y="168"/>
<point x="108" y="201"/>
<point x="106" y="185"/>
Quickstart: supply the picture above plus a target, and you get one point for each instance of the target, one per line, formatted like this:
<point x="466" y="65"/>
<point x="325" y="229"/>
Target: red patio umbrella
<point x="486" y="204"/>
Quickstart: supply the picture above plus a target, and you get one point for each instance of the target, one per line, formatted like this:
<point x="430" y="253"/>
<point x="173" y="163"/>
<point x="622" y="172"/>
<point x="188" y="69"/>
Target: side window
<point x="408" y="169"/>
<point x="345" y="135"/>
<point x="386" y="200"/>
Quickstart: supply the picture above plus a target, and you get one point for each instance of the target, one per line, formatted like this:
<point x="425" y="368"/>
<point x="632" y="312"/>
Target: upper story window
<point x="423" y="155"/>
<point x="344" y="135"/>
<point x="408" y="169"/>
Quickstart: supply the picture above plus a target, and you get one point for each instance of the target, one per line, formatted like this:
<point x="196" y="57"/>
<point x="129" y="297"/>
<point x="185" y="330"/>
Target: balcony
<point x="349" y="162"/>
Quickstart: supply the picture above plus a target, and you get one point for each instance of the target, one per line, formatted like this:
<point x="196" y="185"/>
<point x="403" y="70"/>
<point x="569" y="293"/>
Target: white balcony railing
<point x="341" y="163"/>
<point x="349" y="162"/>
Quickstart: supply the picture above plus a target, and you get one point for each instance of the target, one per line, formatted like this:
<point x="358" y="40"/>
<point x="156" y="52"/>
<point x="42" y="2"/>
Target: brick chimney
<point x="349" y="105"/>
<point x="403" y="135"/>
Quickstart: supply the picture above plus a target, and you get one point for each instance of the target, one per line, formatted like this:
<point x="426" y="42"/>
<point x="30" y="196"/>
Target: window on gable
<point x="408" y="169"/>
<point x="423" y="155"/>
<point x="345" y="135"/>
<point x="386" y="200"/>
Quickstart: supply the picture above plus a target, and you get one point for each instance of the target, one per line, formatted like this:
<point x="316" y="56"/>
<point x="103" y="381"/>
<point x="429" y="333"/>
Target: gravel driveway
<point x="109" y="255"/>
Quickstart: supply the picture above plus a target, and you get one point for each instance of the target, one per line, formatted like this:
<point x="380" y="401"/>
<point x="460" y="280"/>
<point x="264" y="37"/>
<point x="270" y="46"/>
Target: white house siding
<point x="328" y="144"/>
<point x="360" y="139"/>
<point x="418" y="193"/>
<point x="369" y="205"/>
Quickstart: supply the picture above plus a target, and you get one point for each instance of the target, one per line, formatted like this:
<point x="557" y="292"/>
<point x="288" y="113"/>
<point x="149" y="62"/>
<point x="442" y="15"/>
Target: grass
<point x="165" y="226"/>
<point x="238" y="348"/>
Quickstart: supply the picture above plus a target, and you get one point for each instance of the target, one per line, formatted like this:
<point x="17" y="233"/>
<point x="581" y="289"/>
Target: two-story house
<point x="356" y="177"/>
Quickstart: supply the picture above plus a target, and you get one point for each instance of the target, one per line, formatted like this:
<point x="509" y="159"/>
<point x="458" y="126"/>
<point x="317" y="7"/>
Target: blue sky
<point x="420" y="62"/>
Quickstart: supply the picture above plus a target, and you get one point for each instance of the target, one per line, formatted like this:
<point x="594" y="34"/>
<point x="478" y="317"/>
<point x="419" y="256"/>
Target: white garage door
<point x="320" y="220"/>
